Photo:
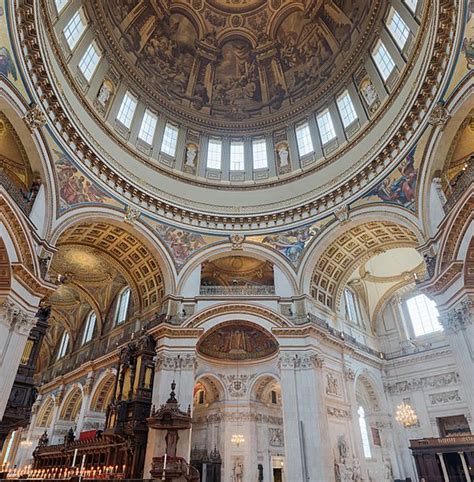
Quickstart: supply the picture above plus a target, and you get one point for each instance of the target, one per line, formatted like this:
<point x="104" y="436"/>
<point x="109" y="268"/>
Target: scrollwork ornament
<point x="35" y="118"/>
<point x="439" y="115"/>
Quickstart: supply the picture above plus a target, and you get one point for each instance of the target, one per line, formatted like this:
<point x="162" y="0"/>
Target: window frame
<point x="397" y="33"/>
<point x="149" y="134"/>
<point x="89" y="73"/>
<point x="342" y="108"/>
<point x="72" y="44"/>
<point x="119" y="308"/>
<point x="126" y="118"/>
<point x="383" y="60"/>
<point x="169" y="143"/>
<point x="305" y="140"/>
<point x="60" y="5"/>
<point x="88" y="332"/>
<point x="364" y="433"/>
<point x="238" y="166"/>
<point x="436" y="326"/>
<point x="261" y="163"/>
<point x="63" y="346"/>
<point x="214" y="163"/>
<point x="327" y="131"/>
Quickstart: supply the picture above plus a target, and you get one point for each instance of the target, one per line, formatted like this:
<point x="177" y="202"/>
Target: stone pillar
<point x="308" y="453"/>
<point x="179" y="367"/>
<point x="443" y="467"/>
<point x="15" y="326"/>
<point x="86" y="402"/>
<point x="459" y="328"/>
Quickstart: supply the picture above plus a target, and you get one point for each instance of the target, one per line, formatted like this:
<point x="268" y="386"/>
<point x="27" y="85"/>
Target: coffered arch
<point x="135" y="259"/>
<point x="350" y="249"/>
<point x="103" y="392"/>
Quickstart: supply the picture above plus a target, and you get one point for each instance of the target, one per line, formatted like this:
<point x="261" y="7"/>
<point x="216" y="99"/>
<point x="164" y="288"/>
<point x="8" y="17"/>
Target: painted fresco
<point x="400" y="186"/>
<point x="181" y="243"/>
<point x="8" y="67"/>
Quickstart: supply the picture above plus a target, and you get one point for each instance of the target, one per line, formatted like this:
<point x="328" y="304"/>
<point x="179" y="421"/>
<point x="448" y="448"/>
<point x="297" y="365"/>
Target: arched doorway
<point x="237" y="430"/>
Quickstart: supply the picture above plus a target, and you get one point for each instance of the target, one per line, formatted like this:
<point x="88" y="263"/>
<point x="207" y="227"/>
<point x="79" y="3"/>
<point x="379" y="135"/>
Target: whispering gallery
<point x="236" y="240"/>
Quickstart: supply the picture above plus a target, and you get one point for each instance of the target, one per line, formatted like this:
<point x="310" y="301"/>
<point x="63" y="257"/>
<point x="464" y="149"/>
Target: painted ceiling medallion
<point x="237" y="6"/>
<point x="238" y="340"/>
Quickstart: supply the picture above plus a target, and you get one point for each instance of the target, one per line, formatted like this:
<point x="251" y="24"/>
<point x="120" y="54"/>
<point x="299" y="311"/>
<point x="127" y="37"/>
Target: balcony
<point x="237" y="291"/>
<point x="462" y="184"/>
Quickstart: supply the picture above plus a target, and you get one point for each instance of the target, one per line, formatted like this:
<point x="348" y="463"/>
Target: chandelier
<point x="237" y="439"/>
<point x="406" y="415"/>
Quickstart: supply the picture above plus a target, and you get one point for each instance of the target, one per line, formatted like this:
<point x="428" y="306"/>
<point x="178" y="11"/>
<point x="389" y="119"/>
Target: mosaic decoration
<point x="400" y="186"/>
<point x="182" y="243"/>
<point x="238" y="340"/>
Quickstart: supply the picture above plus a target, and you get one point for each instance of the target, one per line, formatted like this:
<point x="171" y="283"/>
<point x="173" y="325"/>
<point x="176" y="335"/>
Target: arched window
<point x="423" y="315"/>
<point x="89" y="328"/>
<point x="122" y="306"/>
<point x="352" y="306"/>
<point x="364" y="433"/>
<point x="63" y="346"/>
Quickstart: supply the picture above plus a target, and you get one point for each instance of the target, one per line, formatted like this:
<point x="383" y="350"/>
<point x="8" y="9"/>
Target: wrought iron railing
<point x="237" y="290"/>
<point x="464" y="181"/>
<point x="20" y="198"/>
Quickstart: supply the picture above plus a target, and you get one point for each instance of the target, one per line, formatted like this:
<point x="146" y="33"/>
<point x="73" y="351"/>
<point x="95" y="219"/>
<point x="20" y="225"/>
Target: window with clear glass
<point x="352" y="308"/>
<point x="214" y="154"/>
<point x="424" y="315"/>
<point x="326" y="127"/>
<point x="259" y="150"/>
<point x="89" y="328"/>
<point x="148" y="127"/>
<point x="304" y="140"/>
<point x="398" y="28"/>
<point x="170" y="140"/>
<point x="383" y="60"/>
<point x="90" y="61"/>
<point x="8" y="449"/>
<point x="364" y="433"/>
<point x="237" y="156"/>
<point x="74" y="29"/>
<point x="412" y="4"/>
<point x="346" y="109"/>
<point x="60" y="4"/>
<point x="122" y="306"/>
<point x="127" y="110"/>
<point x="63" y="346"/>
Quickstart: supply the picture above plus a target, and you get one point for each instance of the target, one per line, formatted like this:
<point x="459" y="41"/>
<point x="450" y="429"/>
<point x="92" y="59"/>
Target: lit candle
<point x="164" y="466"/>
<point x="74" y="458"/>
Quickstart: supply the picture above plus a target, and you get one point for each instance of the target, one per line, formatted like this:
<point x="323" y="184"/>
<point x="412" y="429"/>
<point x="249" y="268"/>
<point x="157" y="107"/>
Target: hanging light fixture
<point x="406" y="415"/>
<point x="237" y="439"/>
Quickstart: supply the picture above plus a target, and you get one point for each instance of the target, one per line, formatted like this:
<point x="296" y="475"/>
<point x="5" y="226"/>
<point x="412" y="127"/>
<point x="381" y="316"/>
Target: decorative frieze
<point x="337" y="412"/>
<point x="176" y="362"/>
<point x="237" y="385"/>
<point x="239" y="417"/>
<point x="275" y="437"/>
<point x="434" y="381"/>
<point x="300" y="361"/>
<point x="444" y="397"/>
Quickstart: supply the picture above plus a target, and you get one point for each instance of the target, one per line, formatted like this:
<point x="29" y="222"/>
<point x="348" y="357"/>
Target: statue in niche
<point x="367" y="89"/>
<point x="238" y="471"/>
<point x="43" y="440"/>
<point x="171" y="442"/>
<point x="283" y="154"/>
<point x="105" y="92"/>
<point x="344" y="472"/>
<point x="191" y="154"/>
<point x="388" y="472"/>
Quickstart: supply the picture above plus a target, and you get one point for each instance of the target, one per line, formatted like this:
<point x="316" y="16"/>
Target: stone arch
<point x="250" y="249"/>
<point x="350" y="249"/>
<point x="368" y="389"/>
<point x="45" y="414"/>
<point x="469" y="265"/>
<point x="72" y="404"/>
<point x="139" y="230"/>
<point x="5" y="272"/>
<point x="213" y="387"/>
<point x="261" y="388"/>
<point x="103" y="392"/>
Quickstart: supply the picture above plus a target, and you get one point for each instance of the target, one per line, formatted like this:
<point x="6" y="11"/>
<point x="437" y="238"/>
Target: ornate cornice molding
<point x="300" y="361"/>
<point x="416" y="384"/>
<point x="180" y="361"/>
<point x="174" y="211"/>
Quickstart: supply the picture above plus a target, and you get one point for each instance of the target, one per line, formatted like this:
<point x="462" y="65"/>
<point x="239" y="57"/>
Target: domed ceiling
<point x="235" y="60"/>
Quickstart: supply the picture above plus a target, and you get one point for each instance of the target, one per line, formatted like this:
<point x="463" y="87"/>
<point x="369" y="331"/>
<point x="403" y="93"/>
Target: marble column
<point x="15" y="326"/>
<point x="308" y="453"/>
<point x="459" y="327"/>
<point x="179" y="367"/>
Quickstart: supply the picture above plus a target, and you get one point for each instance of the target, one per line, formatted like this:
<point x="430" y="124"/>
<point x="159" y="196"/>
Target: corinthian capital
<point x="12" y="315"/>
<point x="458" y="318"/>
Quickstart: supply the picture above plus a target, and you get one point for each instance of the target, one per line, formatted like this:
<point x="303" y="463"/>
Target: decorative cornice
<point x="300" y="361"/>
<point x="168" y="361"/>
<point x="16" y="318"/>
<point x="415" y="384"/>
